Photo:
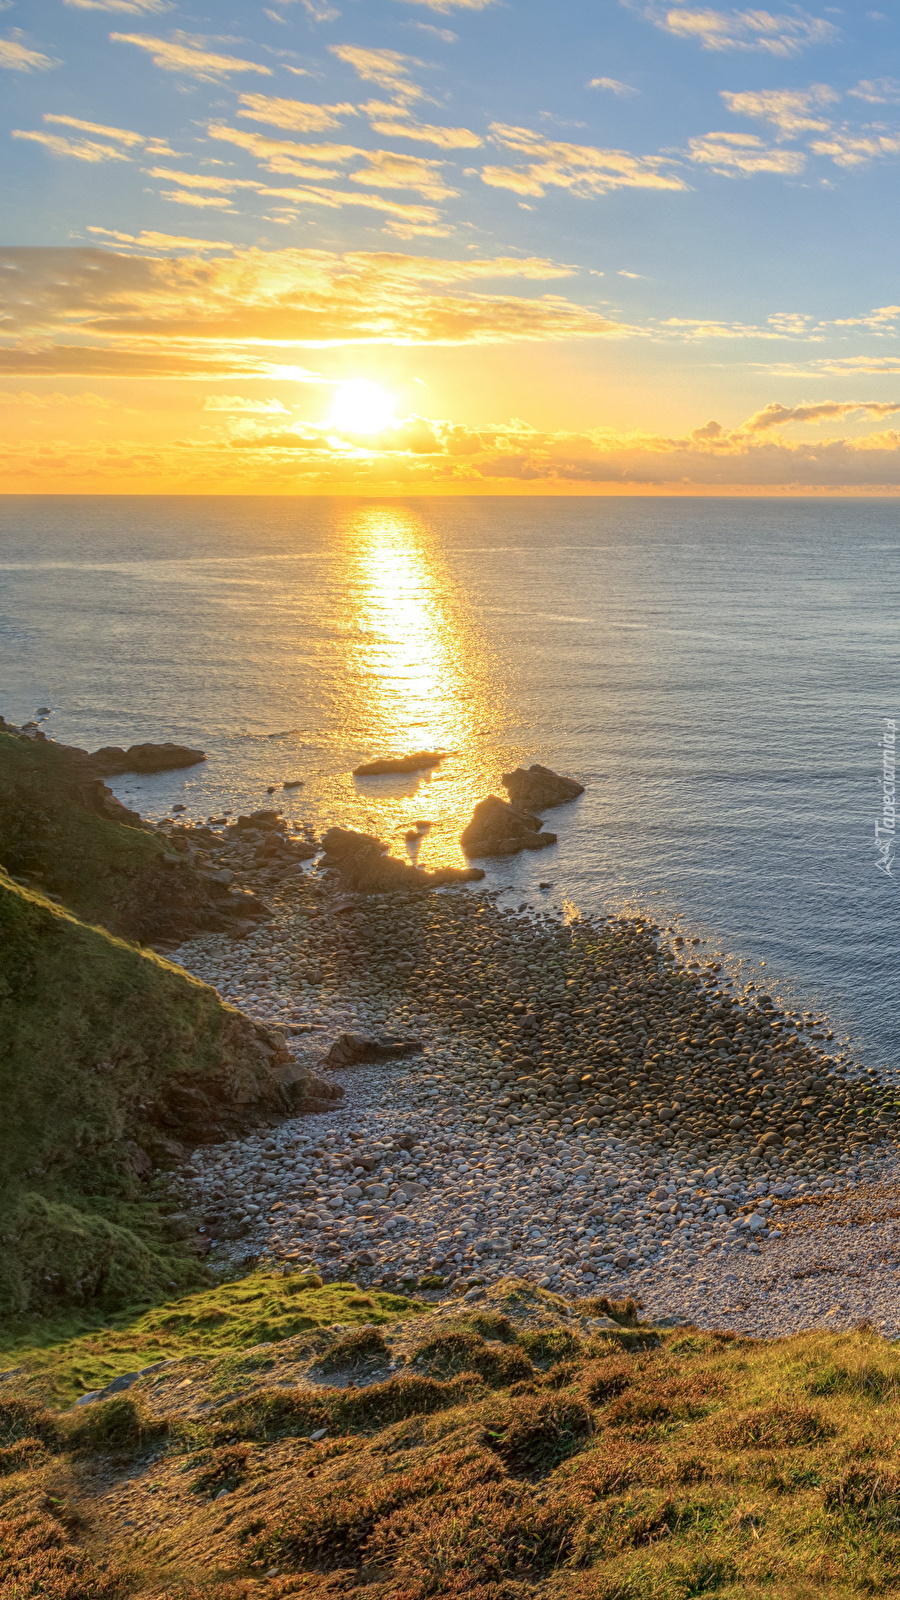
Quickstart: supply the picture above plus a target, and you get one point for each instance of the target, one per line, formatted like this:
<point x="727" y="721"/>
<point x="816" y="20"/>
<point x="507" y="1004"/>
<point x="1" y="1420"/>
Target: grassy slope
<point x="124" y="877"/>
<point x="105" y="1052"/>
<point x="519" y="1452"/>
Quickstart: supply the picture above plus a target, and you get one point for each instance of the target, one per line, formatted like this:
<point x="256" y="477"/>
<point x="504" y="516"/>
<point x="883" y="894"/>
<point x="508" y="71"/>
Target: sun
<point x="362" y="407"/>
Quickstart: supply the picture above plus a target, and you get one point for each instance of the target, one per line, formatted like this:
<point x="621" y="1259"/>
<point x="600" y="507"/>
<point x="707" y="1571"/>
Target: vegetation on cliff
<point x="516" y="1448"/>
<point x="111" y="1059"/>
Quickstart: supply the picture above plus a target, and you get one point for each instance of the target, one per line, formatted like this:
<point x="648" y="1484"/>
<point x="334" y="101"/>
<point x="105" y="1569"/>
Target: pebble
<point x="455" y="1162"/>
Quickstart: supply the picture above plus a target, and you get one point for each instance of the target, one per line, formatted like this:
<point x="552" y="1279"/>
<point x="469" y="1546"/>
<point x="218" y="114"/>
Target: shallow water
<point x="716" y="672"/>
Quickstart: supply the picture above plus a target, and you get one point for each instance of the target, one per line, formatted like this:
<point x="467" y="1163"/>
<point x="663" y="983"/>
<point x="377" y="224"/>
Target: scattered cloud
<point x="181" y="197"/>
<point x="284" y="155"/>
<point x="776" y="416"/>
<point x="848" y="149"/>
<point x="583" y="169"/>
<point x="80" y="149"/>
<point x="134" y="8"/>
<point x="446" y="35"/>
<point x="149" y="239"/>
<point x="782" y="34"/>
<point x="743" y="155"/>
<point x="122" y="135"/>
<point x="237" y="402"/>
<point x="386" y="170"/>
<point x="613" y="85"/>
<point x="452" y="5"/>
<point x="297" y="115"/>
<point x="386" y="68"/>
<point x="396" y="122"/>
<point x="186" y="53"/>
<point x="788" y="110"/>
<point x="17" y="57"/>
<point x="877" y="91"/>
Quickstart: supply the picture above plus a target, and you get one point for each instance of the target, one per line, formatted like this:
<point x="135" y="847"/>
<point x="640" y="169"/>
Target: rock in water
<point x="366" y="869"/>
<point x="498" y="829"/>
<point x="112" y="760"/>
<point x="539" y="788"/>
<point x="419" y="761"/>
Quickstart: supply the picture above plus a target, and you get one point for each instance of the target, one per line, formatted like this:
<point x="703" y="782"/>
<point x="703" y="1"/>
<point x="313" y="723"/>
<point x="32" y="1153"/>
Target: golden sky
<point x="448" y="246"/>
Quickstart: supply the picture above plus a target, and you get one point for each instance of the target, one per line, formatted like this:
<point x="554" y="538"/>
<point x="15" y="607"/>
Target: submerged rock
<point x="419" y="761"/>
<point x="498" y="829"/>
<point x="538" y="788"/>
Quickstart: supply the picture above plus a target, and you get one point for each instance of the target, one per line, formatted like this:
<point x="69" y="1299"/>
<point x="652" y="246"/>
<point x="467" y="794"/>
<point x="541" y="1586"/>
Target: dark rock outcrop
<point x="419" y="761"/>
<point x="538" y="788"/>
<point x="112" y="760"/>
<point x="351" y="1048"/>
<point x="498" y="829"/>
<point x="365" y="867"/>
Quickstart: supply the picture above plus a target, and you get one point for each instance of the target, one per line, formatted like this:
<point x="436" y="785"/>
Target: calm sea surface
<point x="716" y="672"/>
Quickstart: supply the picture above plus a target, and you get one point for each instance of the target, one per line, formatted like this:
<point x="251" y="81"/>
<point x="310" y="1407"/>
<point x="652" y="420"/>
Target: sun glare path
<point x="420" y="679"/>
<point x="362" y="407"/>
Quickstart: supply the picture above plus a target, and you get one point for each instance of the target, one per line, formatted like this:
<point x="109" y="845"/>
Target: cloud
<point x="775" y="34"/>
<point x="743" y="155"/>
<point x="877" y="91"/>
<point x="94" y="311"/>
<point x="848" y="149"/>
<point x="423" y="454"/>
<point x="80" y="149"/>
<point x="452" y="5"/>
<point x="181" y="197"/>
<point x="202" y="180"/>
<point x="396" y="122"/>
<point x="123" y="135"/>
<point x="581" y="168"/>
<point x="149" y="239"/>
<point x="297" y="115"/>
<point x="47" y="402"/>
<point x="134" y="8"/>
<point x="237" y="402"/>
<point x="788" y="110"/>
<point x="386" y="68"/>
<point x="18" y="58"/>
<point x="613" y="85"/>
<point x="284" y="155"/>
<point x="776" y="416"/>
<point x="386" y="170"/>
<point x="185" y="53"/>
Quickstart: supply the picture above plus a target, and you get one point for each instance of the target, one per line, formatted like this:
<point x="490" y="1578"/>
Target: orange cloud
<point x="297" y="115"/>
<point x="99" y="311"/>
<point x="584" y="169"/>
<point x="183" y="53"/>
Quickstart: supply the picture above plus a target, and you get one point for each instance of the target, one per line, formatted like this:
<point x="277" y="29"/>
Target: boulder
<point x="351" y="1048"/>
<point x="112" y="760"/>
<point x="539" y="788"/>
<point x="498" y="829"/>
<point x="419" y="761"/>
<point x="365" y="867"/>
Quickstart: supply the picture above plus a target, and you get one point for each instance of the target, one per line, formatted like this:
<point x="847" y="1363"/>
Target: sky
<point x="449" y="246"/>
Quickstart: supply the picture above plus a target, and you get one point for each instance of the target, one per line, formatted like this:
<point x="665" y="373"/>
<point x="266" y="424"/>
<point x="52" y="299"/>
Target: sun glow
<point x="362" y="407"/>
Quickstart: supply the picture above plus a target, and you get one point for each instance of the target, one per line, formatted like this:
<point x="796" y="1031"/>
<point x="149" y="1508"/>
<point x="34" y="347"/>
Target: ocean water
<point x="716" y="672"/>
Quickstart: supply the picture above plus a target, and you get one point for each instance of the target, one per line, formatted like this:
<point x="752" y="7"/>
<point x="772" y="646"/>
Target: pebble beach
<point x="582" y="1103"/>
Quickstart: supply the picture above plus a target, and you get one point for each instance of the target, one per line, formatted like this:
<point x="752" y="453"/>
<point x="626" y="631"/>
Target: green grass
<point x="107" y="1054"/>
<point x="104" y="871"/>
<point x="220" y="1323"/>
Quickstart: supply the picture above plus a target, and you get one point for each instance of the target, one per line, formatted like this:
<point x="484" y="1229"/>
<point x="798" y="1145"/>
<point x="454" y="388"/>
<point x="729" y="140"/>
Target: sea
<point x="720" y="674"/>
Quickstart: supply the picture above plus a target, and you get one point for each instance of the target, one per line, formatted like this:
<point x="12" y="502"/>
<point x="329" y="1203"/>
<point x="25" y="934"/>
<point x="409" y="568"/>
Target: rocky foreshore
<point x="580" y="1108"/>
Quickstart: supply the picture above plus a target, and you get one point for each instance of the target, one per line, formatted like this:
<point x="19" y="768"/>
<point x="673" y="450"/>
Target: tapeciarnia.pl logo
<point x="885" y="829"/>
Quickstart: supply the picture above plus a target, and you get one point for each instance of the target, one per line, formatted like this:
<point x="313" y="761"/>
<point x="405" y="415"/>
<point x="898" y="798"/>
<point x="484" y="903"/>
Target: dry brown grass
<point x="690" y="1465"/>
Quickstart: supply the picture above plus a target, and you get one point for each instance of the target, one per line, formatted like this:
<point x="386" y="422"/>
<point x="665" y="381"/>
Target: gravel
<point x="584" y="1111"/>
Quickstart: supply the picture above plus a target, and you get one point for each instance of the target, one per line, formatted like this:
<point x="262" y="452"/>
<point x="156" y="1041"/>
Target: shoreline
<point x="509" y="1167"/>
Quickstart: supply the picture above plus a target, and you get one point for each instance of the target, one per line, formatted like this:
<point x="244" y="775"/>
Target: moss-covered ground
<point x="514" y="1449"/>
